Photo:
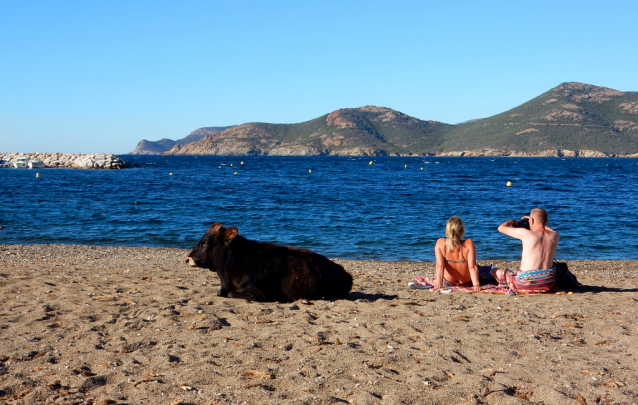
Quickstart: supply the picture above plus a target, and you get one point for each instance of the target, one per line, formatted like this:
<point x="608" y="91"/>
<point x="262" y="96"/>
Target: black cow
<point x="266" y="272"/>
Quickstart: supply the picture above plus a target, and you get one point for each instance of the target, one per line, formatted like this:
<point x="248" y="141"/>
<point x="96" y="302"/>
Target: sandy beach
<point x="118" y="325"/>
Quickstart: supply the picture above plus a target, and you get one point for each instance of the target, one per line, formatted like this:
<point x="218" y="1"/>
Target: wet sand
<point x="115" y="325"/>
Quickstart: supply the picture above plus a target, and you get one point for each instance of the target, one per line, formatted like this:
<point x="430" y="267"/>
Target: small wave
<point x="381" y="213"/>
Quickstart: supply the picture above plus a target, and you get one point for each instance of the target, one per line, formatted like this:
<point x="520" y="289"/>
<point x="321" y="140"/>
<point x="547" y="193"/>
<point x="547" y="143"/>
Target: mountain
<point x="572" y="119"/>
<point x="366" y="130"/>
<point x="145" y="147"/>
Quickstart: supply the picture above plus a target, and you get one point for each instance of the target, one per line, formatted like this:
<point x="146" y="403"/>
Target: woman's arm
<point x="471" y="263"/>
<point x="440" y="263"/>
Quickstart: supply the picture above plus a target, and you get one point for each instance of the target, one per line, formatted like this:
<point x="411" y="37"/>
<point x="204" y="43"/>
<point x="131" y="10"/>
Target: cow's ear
<point x="215" y="228"/>
<point x="230" y="234"/>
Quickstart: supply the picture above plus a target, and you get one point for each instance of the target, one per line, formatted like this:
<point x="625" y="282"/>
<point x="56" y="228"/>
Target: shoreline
<point x="464" y="154"/>
<point x="83" y="158"/>
<point x="89" y="324"/>
<point x="580" y="263"/>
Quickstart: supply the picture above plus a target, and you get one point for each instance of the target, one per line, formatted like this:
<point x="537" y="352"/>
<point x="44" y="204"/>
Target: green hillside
<point x="571" y="117"/>
<point x="372" y="127"/>
<point x="364" y="130"/>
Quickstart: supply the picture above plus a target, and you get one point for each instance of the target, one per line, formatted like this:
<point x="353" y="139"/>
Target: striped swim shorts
<point x="534" y="281"/>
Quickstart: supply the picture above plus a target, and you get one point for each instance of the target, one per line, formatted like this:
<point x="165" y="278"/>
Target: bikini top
<point x="456" y="261"/>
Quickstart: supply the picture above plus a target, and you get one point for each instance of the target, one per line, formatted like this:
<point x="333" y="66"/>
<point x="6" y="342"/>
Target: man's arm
<point x="509" y="228"/>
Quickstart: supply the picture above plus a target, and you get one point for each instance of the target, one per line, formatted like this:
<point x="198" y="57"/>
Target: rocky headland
<point x="309" y="151"/>
<point x="145" y="147"/>
<point x="69" y="160"/>
<point x="570" y="120"/>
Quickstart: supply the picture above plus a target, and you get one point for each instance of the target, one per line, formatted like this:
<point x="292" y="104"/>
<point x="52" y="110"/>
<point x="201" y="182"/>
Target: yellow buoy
<point x="231" y="165"/>
<point x="406" y="166"/>
<point x="508" y="184"/>
<point x="421" y="168"/>
<point x="37" y="175"/>
<point x="309" y="170"/>
<point x="170" y="174"/>
<point x="370" y="162"/>
<point x="242" y="163"/>
<point x="235" y="173"/>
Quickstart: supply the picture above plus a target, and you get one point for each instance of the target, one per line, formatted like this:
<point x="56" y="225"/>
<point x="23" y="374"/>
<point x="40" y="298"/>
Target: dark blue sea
<point x="392" y="209"/>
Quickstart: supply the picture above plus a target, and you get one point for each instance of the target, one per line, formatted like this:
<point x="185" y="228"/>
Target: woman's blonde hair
<point x="454" y="232"/>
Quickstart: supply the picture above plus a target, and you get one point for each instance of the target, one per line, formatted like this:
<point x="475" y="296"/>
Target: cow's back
<point x="271" y="272"/>
<point x="310" y="275"/>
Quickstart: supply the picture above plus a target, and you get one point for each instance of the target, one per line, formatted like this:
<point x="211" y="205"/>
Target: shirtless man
<point x="537" y="273"/>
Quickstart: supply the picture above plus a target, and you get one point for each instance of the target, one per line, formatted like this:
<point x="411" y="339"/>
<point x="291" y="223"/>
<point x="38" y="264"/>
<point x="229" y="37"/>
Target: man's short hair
<point x="539" y="214"/>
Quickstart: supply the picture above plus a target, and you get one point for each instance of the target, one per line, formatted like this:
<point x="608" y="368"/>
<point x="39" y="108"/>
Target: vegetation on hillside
<point x="572" y="116"/>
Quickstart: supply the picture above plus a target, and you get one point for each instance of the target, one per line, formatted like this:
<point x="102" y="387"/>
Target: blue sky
<point x="99" y="76"/>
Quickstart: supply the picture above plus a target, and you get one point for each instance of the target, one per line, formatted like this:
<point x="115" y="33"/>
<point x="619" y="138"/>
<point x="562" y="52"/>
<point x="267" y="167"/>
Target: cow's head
<point x="211" y="246"/>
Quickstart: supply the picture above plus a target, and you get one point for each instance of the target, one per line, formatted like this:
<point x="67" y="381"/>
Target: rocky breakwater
<point x="69" y="160"/>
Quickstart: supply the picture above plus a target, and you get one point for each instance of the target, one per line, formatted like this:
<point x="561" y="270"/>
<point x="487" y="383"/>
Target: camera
<point x="523" y="223"/>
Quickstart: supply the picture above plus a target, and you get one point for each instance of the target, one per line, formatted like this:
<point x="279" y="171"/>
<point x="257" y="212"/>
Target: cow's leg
<point x="224" y="285"/>
<point x="246" y="296"/>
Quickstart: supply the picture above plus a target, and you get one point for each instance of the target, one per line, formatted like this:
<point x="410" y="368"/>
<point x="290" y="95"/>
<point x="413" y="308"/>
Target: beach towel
<point x="514" y="282"/>
<point x="486" y="280"/>
<point x="427" y="282"/>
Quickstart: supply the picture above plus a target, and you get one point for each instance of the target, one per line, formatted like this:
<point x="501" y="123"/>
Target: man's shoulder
<point x="551" y="232"/>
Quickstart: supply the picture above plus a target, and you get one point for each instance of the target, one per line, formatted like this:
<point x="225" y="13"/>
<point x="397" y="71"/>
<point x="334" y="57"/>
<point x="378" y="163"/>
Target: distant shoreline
<point x="445" y="154"/>
<point x="81" y="159"/>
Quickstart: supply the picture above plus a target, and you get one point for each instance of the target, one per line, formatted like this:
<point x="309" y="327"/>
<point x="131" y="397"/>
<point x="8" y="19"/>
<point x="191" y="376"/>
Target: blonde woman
<point x="455" y="258"/>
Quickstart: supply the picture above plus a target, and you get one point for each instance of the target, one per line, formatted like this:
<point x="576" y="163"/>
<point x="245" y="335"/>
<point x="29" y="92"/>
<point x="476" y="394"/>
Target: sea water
<point x="387" y="208"/>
